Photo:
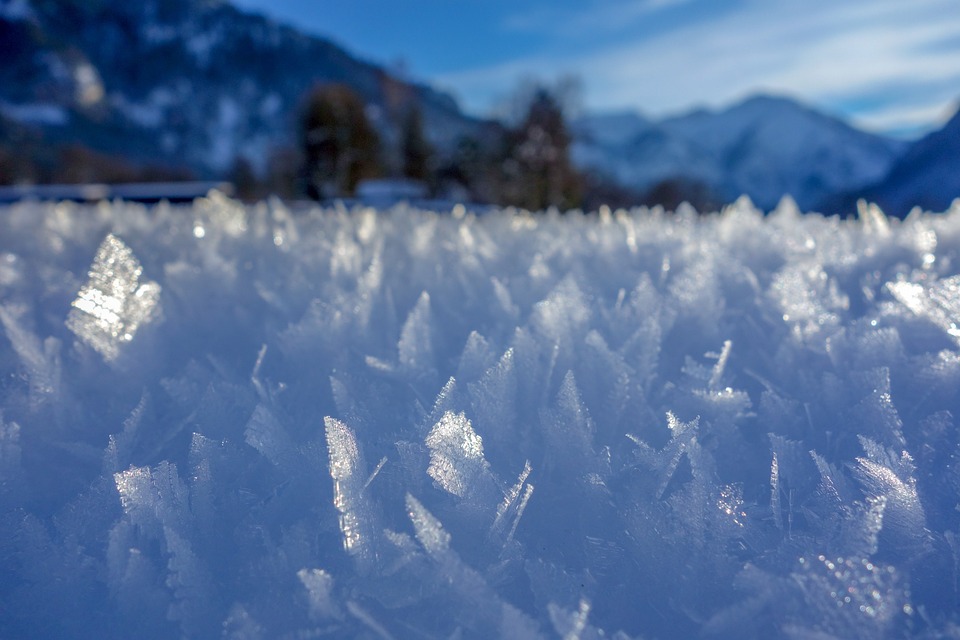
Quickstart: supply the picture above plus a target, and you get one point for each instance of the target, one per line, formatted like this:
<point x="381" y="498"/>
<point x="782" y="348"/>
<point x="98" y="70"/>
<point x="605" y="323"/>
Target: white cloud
<point x="822" y="51"/>
<point x="594" y="18"/>
<point x="908" y="118"/>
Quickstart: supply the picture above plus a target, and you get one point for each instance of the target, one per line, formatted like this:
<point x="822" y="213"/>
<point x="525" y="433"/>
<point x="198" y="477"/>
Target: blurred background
<point x="572" y="104"/>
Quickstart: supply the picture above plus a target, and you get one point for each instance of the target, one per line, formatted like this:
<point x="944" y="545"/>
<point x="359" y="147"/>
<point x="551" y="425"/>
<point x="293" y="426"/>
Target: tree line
<point x="524" y="162"/>
<point x="521" y="160"/>
<point x="527" y="165"/>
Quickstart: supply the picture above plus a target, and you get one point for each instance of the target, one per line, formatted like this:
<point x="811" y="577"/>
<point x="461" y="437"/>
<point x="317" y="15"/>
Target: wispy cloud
<point x="823" y="51"/>
<point x="908" y="119"/>
<point x="591" y="19"/>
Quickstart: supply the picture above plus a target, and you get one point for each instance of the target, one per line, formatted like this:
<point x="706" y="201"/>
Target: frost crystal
<point x="415" y="346"/>
<point x="510" y="503"/>
<point x="852" y="597"/>
<point x="775" y="507"/>
<point x="10" y="453"/>
<point x="456" y="455"/>
<point x="41" y="360"/>
<point x="319" y="585"/>
<point x="429" y="530"/>
<point x="570" y="625"/>
<point x="349" y="478"/>
<point x="939" y="303"/>
<point x="114" y="303"/>
<point x="267" y="436"/>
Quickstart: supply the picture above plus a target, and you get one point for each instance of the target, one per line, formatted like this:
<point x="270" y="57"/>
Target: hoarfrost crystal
<point x="939" y="302"/>
<point x="348" y="483"/>
<point x="456" y="455"/>
<point x="430" y="532"/>
<point x="319" y="585"/>
<point x="114" y="303"/>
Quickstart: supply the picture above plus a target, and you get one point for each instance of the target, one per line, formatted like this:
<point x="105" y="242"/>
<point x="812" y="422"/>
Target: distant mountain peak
<point x="770" y="100"/>
<point x="185" y="81"/>
<point x="611" y="127"/>
<point x="765" y="146"/>
<point x="927" y="175"/>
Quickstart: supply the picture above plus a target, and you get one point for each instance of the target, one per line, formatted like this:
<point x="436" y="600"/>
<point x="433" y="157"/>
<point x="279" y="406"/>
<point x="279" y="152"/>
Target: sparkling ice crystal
<point x="114" y="302"/>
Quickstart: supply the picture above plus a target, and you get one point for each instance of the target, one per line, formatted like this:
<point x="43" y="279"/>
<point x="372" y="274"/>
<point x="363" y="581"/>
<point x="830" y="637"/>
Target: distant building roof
<point x="390" y="190"/>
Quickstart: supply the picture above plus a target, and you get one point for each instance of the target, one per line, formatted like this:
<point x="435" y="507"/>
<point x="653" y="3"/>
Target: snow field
<point x="251" y="422"/>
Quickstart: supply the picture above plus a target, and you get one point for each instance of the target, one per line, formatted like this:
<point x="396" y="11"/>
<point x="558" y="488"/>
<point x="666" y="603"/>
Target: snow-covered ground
<point x="249" y="422"/>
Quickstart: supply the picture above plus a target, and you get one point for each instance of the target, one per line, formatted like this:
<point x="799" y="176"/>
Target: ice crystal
<point x="112" y="305"/>
<point x="456" y="455"/>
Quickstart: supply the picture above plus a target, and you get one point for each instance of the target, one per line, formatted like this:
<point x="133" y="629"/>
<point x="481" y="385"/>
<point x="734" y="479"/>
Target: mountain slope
<point x="765" y="147"/>
<point x="183" y="81"/>
<point x="638" y="153"/>
<point x="928" y="174"/>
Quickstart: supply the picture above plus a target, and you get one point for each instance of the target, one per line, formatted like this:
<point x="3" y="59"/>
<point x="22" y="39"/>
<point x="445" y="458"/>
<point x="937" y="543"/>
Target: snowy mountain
<point x="765" y="147"/>
<point x="191" y="82"/>
<point x="927" y="175"/>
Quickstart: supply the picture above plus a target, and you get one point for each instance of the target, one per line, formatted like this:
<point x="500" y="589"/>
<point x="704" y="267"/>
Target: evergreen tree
<point x="538" y="169"/>
<point x="244" y="179"/>
<point x="340" y="146"/>
<point x="415" y="151"/>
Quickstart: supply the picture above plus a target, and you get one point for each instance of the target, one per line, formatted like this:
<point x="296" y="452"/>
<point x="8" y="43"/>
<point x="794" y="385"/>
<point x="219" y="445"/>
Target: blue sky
<point x="888" y="65"/>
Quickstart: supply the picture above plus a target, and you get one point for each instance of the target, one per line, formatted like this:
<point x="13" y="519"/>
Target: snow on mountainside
<point x="610" y="128"/>
<point x="765" y="147"/>
<point x="641" y="154"/>
<point x="927" y="176"/>
<point x="192" y="81"/>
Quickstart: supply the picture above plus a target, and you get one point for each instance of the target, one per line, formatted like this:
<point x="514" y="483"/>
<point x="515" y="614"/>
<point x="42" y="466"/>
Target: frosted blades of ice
<point x="721" y="365"/>
<point x="10" y="455"/>
<point x="853" y="597"/>
<point x="265" y="434"/>
<point x="319" y="586"/>
<point x="557" y="335"/>
<point x="430" y="532"/>
<point x="521" y="507"/>
<point x="514" y="504"/>
<point x="775" y="492"/>
<point x="156" y="505"/>
<point x="41" y="360"/>
<point x="415" y="348"/>
<point x="456" y="457"/>
<point x="888" y="476"/>
<point x="938" y="303"/>
<point x="349" y="478"/>
<point x="570" y="625"/>
<point x="493" y="616"/>
<point x="683" y="434"/>
<point x="113" y="303"/>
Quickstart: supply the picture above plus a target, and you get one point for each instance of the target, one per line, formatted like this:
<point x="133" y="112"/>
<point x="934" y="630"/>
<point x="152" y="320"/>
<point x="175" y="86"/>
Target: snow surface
<point x="255" y="422"/>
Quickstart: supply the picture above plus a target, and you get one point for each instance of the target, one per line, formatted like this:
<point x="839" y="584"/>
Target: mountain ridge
<point x="926" y="175"/>
<point x="151" y="77"/>
<point x="754" y="146"/>
<point x="203" y="85"/>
